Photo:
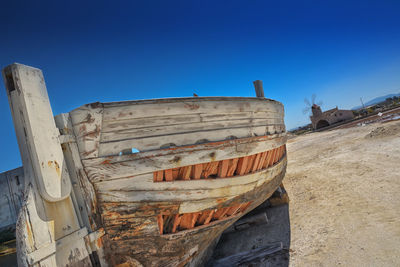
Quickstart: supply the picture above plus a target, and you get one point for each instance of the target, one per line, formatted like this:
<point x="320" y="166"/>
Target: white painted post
<point x="27" y="95"/>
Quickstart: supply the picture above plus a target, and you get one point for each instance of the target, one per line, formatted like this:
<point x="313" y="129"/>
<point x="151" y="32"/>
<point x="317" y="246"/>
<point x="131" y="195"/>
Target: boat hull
<point x="149" y="182"/>
<point x="131" y="245"/>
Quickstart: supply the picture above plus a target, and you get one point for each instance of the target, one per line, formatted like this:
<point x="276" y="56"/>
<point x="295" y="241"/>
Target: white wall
<point x="11" y="196"/>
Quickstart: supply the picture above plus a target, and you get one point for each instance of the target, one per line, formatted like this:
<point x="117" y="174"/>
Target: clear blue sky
<point x="121" y="50"/>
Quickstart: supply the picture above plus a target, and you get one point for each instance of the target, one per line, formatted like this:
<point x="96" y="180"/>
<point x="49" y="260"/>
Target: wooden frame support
<point x="28" y="97"/>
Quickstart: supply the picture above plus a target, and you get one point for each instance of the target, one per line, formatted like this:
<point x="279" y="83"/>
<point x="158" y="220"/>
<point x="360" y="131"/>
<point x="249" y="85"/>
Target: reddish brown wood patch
<point x="173" y="223"/>
<point x="223" y="168"/>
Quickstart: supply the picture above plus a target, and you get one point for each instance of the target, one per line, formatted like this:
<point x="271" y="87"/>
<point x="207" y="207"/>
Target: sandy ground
<point x="344" y="189"/>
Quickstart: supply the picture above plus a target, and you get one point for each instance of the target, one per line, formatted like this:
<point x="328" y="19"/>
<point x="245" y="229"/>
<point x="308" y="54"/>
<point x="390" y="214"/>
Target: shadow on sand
<point x="264" y="244"/>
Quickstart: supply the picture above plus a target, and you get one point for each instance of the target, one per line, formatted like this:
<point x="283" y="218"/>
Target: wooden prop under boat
<point x="151" y="182"/>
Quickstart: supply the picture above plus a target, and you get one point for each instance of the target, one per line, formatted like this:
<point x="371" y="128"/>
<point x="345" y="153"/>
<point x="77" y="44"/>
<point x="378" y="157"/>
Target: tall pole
<point x="258" y="86"/>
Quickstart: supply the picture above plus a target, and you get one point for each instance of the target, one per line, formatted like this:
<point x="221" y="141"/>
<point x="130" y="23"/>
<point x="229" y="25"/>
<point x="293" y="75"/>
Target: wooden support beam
<point x="160" y="222"/>
<point x="232" y="167"/>
<point x="223" y="168"/>
<point x="177" y="221"/>
<point x="27" y="95"/>
<point x="168" y="175"/>
<point x="158" y="176"/>
<point x="210" y="216"/>
<point x="197" y="170"/>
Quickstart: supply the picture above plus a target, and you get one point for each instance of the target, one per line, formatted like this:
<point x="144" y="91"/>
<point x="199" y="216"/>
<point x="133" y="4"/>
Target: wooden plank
<point x="133" y="196"/>
<point x="123" y="211"/>
<point x="256" y="162"/>
<point x="177" y="221"/>
<point x="168" y="175"/>
<point x="179" y="139"/>
<point x="175" y="173"/>
<point x="187" y="127"/>
<point x="186" y="221"/>
<point x="210" y="216"/>
<point x="181" y="119"/>
<point x="197" y="170"/>
<point x="87" y="123"/>
<point x="27" y="95"/>
<point x="223" y="168"/>
<point x="262" y="160"/>
<point x="280" y="152"/>
<point x="277" y="154"/>
<point x="266" y="142"/>
<point x="233" y="210"/>
<point x="220" y="213"/>
<point x="267" y="159"/>
<point x="158" y="176"/>
<point x="203" y="216"/>
<point x="244" y="207"/>
<point x="209" y="168"/>
<point x="168" y="107"/>
<point x="272" y="158"/>
<point x="184" y="173"/>
<point x="250" y="163"/>
<point x="233" y="163"/>
<point x="122" y="166"/>
<point x="160" y="222"/>
<point x="145" y="182"/>
<point x="242" y="165"/>
<point x="194" y="219"/>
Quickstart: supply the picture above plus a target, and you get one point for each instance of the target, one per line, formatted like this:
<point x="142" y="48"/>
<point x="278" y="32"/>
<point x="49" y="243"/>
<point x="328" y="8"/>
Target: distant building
<point x="11" y="196"/>
<point x="321" y="119"/>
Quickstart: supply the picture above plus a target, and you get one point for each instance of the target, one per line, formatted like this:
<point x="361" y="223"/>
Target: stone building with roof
<point x="321" y="119"/>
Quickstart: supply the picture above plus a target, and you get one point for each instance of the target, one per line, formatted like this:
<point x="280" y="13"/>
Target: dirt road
<point x="344" y="189"/>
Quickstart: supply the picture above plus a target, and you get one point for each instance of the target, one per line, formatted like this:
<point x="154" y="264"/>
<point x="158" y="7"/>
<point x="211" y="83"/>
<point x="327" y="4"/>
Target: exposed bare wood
<point x="184" y="172"/>
<point x="160" y="222"/>
<point x="250" y="163"/>
<point x="158" y="176"/>
<point x="256" y="162"/>
<point x="197" y="170"/>
<point x="232" y="167"/>
<point x="177" y="221"/>
<point x="223" y="168"/>
<point x="209" y="217"/>
<point x="168" y="175"/>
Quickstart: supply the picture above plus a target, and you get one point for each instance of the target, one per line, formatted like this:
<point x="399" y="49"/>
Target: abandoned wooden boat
<point x="150" y="182"/>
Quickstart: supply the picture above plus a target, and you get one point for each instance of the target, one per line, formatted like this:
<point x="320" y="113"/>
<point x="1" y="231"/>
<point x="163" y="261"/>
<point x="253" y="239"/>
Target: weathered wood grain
<point x="162" y="129"/>
<point x="27" y="93"/>
<point x="107" y="194"/>
<point x="145" y="182"/>
<point x="131" y="165"/>
<point x="87" y="124"/>
<point x="147" y="143"/>
<point x="178" y="106"/>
